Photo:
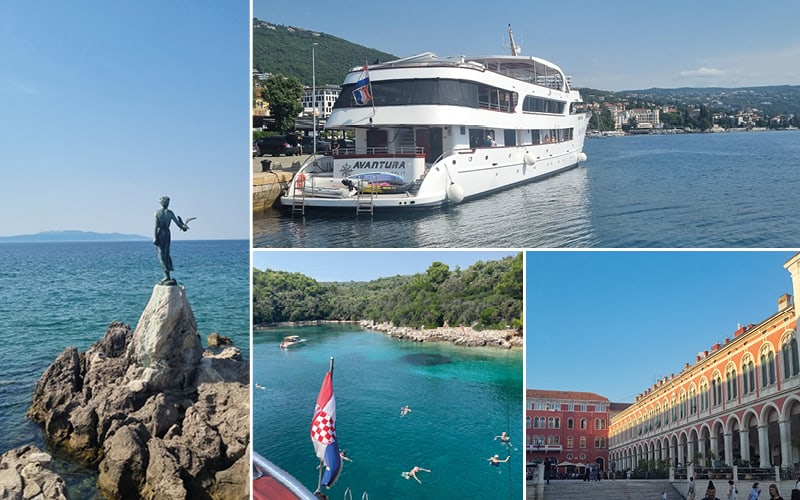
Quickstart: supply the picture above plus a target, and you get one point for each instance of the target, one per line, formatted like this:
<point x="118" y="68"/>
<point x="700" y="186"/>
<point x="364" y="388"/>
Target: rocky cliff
<point x="159" y="416"/>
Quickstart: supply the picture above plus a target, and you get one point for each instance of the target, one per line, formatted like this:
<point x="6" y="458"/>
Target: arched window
<point x="558" y="422"/>
<point x="767" y="367"/>
<point x="583" y="441"/>
<point x="583" y="423"/>
<point x="704" y="395"/>
<point x="731" y="382"/>
<point x="791" y="363"/>
<point x="570" y="442"/>
<point x="570" y="423"/>
<point x="683" y="404"/>
<point x="551" y="423"/>
<point x="716" y="389"/>
<point x="528" y="422"/>
<point x="748" y="374"/>
<point x="674" y="410"/>
<point x="692" y="401"/>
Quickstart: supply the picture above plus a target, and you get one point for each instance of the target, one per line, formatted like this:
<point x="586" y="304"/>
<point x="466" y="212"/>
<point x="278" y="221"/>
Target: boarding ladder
<point x="365" y="202"/>
<point x="298" y="202"/>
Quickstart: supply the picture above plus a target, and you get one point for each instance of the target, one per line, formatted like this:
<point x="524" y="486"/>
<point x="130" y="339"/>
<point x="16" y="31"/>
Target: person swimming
<point x="405" y="411"/>
<point x="504" y="438"/>
<point x="495" y="460"/>
<point x="413" y="473"/>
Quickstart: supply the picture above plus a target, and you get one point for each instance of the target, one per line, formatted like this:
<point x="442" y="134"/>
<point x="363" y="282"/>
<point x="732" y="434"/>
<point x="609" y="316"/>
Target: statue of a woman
<point x="164" y="217"/>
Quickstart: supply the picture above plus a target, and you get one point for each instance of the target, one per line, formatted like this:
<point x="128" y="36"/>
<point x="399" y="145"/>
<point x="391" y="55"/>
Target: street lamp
<point x="314" y="94"/>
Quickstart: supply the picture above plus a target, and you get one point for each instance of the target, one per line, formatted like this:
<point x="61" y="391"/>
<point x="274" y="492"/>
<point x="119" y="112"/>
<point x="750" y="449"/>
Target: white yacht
<point x="452" y="129"/>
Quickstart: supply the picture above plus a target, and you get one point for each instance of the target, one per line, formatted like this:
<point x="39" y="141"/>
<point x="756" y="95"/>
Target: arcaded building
<point x="566" y="426"/>
<point x="737" y="404"/>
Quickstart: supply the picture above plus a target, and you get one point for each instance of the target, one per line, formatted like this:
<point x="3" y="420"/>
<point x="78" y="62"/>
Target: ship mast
<point x="515" y="49"/>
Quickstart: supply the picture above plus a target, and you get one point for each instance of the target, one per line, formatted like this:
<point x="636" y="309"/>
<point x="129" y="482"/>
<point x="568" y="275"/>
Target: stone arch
<point x="770" y="417"/>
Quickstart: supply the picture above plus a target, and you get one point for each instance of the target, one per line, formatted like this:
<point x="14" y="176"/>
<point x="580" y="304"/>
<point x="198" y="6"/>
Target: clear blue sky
<point x="615" y="322"/>
<point x="107" y="106"/>
<point x="611" y="45"/>
<point x="366" y="265"/>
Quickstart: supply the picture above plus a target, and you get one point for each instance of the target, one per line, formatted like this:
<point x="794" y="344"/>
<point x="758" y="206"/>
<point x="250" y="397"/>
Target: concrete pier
<point x="268" y="185"/>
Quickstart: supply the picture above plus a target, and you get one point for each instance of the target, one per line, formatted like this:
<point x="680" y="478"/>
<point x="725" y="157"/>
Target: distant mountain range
<point x="70" y="236"/>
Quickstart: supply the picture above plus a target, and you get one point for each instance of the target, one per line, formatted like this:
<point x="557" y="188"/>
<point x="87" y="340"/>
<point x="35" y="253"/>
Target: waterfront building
<point x="645" y="117"/>
<point x="738" y="403"/>
<point x="567" y="427"/>
<point x="326" y="98"/>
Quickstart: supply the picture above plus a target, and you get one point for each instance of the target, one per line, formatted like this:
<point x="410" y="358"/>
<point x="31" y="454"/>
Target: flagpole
<point x="321" y="462"/>
<point x="372" y="98"/>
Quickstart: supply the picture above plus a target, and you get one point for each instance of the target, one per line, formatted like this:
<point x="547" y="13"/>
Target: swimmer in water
<point x="413" y="473"/>
<point x="495" y="460"/>
<point x="405" y="411"/>
<point x="504" y="438"/>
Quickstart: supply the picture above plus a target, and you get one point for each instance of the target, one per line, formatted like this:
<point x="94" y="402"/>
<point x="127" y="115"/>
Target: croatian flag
<point x="362" y="92"/>
<point x="323" y="432"/>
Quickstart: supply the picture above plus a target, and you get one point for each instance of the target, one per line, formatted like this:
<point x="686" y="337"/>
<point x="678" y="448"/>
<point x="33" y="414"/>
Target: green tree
<point x="284" y="94"/>
<point x="607" y="120"/>
<point x="704" y="119"/>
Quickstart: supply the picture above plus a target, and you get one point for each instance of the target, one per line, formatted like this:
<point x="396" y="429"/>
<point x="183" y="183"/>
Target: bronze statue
<point x="165" y="216"/>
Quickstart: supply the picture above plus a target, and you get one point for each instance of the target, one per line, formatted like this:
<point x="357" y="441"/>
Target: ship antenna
<point x="515" y="49"/>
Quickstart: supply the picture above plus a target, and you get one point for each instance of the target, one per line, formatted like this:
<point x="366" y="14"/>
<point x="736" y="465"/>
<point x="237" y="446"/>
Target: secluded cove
<point x="461" y="398"/>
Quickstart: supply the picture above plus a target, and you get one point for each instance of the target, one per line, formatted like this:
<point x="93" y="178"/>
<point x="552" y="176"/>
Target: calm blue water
<point x="693" y="190"/>
<point x="457" y="409"/>
<point x="55" y="295"/>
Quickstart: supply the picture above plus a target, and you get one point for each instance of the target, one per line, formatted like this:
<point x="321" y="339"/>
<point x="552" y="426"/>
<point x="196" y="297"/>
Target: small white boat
<point x="292" y="341"/>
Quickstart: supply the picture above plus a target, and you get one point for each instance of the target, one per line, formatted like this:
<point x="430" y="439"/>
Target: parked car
<point x="308" y="145"/>
<point x="344" y="144"/>
<point x="277" y="145"/>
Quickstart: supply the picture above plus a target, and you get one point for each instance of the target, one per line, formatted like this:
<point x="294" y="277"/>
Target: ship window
<point x="541" y="105"/>
<point x="376" y="138"/>
<point x="510" y="137"/>
<point x="432" y="91"/>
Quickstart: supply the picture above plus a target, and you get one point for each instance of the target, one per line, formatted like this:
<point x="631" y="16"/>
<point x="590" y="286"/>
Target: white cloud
<point x="703" y="73"/>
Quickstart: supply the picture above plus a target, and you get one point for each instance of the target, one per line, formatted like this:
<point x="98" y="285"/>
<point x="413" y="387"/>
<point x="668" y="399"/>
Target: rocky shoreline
<point x="460" y="335"/>
<point x="153" y="411"/>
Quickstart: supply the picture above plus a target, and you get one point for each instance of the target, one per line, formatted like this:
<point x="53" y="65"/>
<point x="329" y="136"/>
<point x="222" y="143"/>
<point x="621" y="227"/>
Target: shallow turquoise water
<point x="459" y="403"/>
<point x="55" y="295"/>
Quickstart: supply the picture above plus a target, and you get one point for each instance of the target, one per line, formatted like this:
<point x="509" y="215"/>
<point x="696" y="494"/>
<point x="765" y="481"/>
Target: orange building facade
<point x="567" y="427"/>
<point x="738" y="404"/>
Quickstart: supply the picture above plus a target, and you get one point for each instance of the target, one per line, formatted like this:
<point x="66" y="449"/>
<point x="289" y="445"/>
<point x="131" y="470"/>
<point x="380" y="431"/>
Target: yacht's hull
<point x="476" y="173"/>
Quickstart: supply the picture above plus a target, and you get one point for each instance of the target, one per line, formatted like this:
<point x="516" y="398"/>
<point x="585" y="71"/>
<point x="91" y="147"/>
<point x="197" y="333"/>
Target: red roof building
<point x="568" y="428"/>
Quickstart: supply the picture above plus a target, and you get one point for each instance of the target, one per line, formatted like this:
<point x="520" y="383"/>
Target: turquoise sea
<point x="55" y="295"/>
<point x="460" y="399"/>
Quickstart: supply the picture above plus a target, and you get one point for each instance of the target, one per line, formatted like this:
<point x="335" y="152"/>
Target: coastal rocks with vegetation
<point x="158" y="415"/>
<point x="26" y="474"/>
<point x="464" y="336"/>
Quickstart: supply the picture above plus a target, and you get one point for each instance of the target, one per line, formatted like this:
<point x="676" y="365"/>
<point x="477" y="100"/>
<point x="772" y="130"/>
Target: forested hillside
<point x="485" y="295"/>
<point x="287" y="50"/>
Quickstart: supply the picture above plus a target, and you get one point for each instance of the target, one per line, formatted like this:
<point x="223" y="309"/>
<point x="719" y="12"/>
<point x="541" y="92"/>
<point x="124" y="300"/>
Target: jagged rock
<point x="26" y="473"/>
<point x="217" y="340"/>
<point x="464" y="336"/>
<point x="166" y="348"/>
<point x="158" y="416"/>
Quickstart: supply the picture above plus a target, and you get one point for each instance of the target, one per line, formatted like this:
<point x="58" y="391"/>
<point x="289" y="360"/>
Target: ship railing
<point x="381" y="152"/>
